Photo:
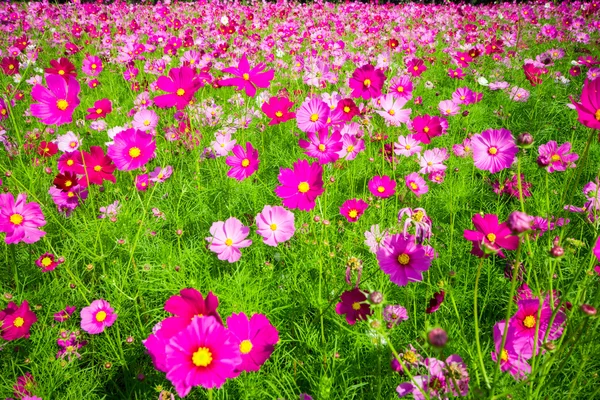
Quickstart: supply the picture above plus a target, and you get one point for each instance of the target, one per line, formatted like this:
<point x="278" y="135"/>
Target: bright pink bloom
<point x="48" y="262"/>
<point x="416" y="67"/>
<point x="490" y="235"/>
<point x="533" y="74"/>
<point x="402" y="259"/>
<point x="427" y="127"/>
<point x="227" y="238"/>
<point x="588" y="110"/>
<point x="56" y="104"/>
<point x="351" y="146"/>
<point x="182" y="83"/>
<point x="448" y="107"/>
<point x="382" y="186"/>
<point x="556" y="158"/>
<point x="98" y="316"/>
<point x="145" y="120"/>
<point x="275" y="225"/>
<point x="15" y="322"/>
<point x="347" y="108"/>
<point x="401" y="87"/>
<point x="494" y="150"/>
<point x="185" y="306"/>
<point x="62" y="67"/>
<point x="456" y="73"/>
<point x="366" y="82"/>
<point x="142" y="182"/>
<point x="92" y="66"/>
<point x="432" y="160"/>
<point x="322" y="146"/>
<point x="96" y="167"/>
<point x="243" y="163"/>
<point x="513" y="358"/>
<point x="312" y="115"/>
<point x="525" y="323"/>
<point x="132" y="149"/>
<point x="278" y="109"/>
<point x="100" y="110"/>
<point x="301" y="185"/>
<point x="256" y="339"/>
<point x="393" y="113"/>
<point x="463" y="95"/>
<point x="416" y="184"/>
<point x="353" y="209"/>
<point x="204" y="354"/>
<point x="354" y="305"/>
<point x="65" y="314"/>
<point x="20" y="220"/>
<point x="248" y="79"/>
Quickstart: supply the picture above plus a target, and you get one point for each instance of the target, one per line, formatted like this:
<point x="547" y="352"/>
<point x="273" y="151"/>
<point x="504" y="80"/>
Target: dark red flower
<point x="47" y="149"/>
<point x="62" y="67"/>
<point x="354" y="305"/>
<point x="435" y="302"/>
<point x="10" y="65"/>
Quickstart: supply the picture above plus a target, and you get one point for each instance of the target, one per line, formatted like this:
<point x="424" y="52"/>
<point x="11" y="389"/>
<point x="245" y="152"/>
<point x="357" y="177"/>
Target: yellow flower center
<point x="245" y="346"/>
<point x="491" y="237"/>
<point x="94" y="66"/>
<point x="99" y="111"/>
<point x="61" y="72"/>
<point x="62" y="104"/>
<point x="72" y="145"/>
<point x="346" y="109"/>
<point x="492" y="150"/>
<point x="97" y="168"/>
<point x="367" y="83"/>
<point x="273" y="227"/>
<point x="403" y="259"/>
<point x="447" y="111"/>
<point x="400" y="89"/>
<point x="202" y="357"/>
<point x="3" y="111"/>
<point x="350" y="149"/>
<point x="392" y="112"/>
<point x="228" y="242"/>
<point x="408" y="147"/>
<point x="134" y="152"/>
<point x="246" y="77"/>
<point x="180" y="92"/>
<point x="46" y="261"/>
<point x="529" y="321"/>
<point x="70" y="162"/>
<point x="353" y="214"/>
<point x="279" y="114"/>
<point x="303" y="187"/>
<point x="414" y="186"/>
<point x="504" y="355"/>
<point x="356" y="306"/>
<point x="321" y="147"/>
<point x="101" y="316"/>
<point x="426" y="129"/>
<point x="68" y="183"/>
<point x="418" y="216"/>
<point x="245" y="162"/>
<point x="381" y="189"/>
<point x="18" y="322"/>
<point x="314" y="117"/>
<point x="410" y="356"/>
<point x="555" y="157"/>
<point x="146" y="122"/>
<point x="597" y="115"/>
<point x="16" y="219"/>
<point x="70" y="194"/>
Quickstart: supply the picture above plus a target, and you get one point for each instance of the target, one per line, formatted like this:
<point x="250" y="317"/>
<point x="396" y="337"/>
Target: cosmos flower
<point x="416" y="67"/>
<point x="392" y="112"/>
<point x="132" y="149"/>
<point x="351" y="146"/>
<point x="301" y="185"/>
<point x="100" y="109"/>
<point x="416" y="184"/>
<point x="68" y="142"/>
<point x="407" y="145"/>
<point x="401" y="87"/>
<point x="354" y="306"/>
<point x="366" y="82"/>
<point x="223" y="143"/>
<point x="185" y="306"/>
<point x="494" y="150"/>
<point x="92" y="65"/>
<point x="353" y="209"/>
<point x="312" y="115"/>
<point x="382" y="186"/>
<point x="227" y="238"/>
<point x="248" y="79"/>
<point x="448" y="108"/>
<point x="160" y="174"/>
<point x="322" y="146"/>
<point x="243" y="163"/>
<point x="513" y="358"/>
<point x="432" y="160"/>
<point x="556" y="158"/>
<point x="347" y="108"/>
<point x="145" y="120"/>
<point x="181" y="84"/>
<point x="278" y="109"/>
<point x="48" y="262"/>
<point x="16" y="321"/>
<point x="62" y="67"/>
<point x="490" y="235"/>
<point x="65" y="314"/>
<point x="55" y="105"/>
<point x="20" y="220"/>
<point x="98" y="316"/>
<point x="275" y="224"/>
<point x="256" y="339"/>
<point x="402" y="259"/>
<point x="588" y="109"/>
<point x="426" y="127"/>
<point x="374" y="238"/>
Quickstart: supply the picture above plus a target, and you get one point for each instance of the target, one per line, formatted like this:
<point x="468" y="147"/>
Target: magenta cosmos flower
<point x="182" y="83"/>
<point x="312" y="115"/>
<point x="243" y="163"/>
<point x="227" y="238"/>
<point x="275" y="224"/>
<point x="92" y="66"/>
<point x="301" y="185"/>
<point x="248" y="79"/>
<point x="382" y="186"/>
<point x="525" y="323"/>
<point x="491" y="235"/>
<point x="16" y="321"/>
<point x="131" y="149"/>
<point x="494" y="150"/>
<point x="588" y="110"/>
<point x="353" y="209"/>
<point x="513" y="358"/>
<point x="278" y="109"/>
<point x="100" y="109"/>
<point x="204" y="354"/>
<point x="427" y="127"/>
<point x="56" y="104"/>
<point x="402" y="259"/>
<point x="322" y="146"/>
<point x="556" y="158"/>
<point x="255" y="337"/>
<point x="416" y="184"/>
<point x="185" y="306"/>
<point x="97" y="316"/>
<point x="354" y="305"/>
<point x="366" y="82"/>
<point x="20" y="220"/>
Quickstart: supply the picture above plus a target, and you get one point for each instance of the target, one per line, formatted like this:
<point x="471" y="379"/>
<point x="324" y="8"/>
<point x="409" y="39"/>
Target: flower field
<point x="277" y="200"/>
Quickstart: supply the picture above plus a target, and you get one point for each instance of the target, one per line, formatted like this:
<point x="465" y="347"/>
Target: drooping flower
<point x="100" y="109"/>
<point x="490" y="235"/>
<point x="300" y="185"/>
<point x="243" y="163"/>
<point x="556" y="158"/>
<point x="322" y="146"/>
<point x="182" y="83"/>
<point x="227" y="238"/>
<point x="16" y="321"/>
<point x="402" y="259"/>
<point x="278" y="109"/>
<point x="131" y="149"/>
<point x="55" y="104"/>
<point x="416" y="184"/>
<point x="248" y="79"/>
<point x="98" y="316"/>
<point x="354" y="305"/>
<point x="588" y="109"/>
<point x="312" y="115"/>
<point x="255" y="337"/>
<point x="382" y="186"/>
<point x="366" y="82"/>
<point x="353" y="209"/>
<point x="435" y="302"/>
<point x="418" y="218"/>
<point x="494" y="150"/>
<point x="275" y="224"/>
<point x="20" y="220"/>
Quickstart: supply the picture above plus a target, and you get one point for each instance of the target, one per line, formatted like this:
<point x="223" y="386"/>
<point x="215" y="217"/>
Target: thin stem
<point x="476" y="315"/>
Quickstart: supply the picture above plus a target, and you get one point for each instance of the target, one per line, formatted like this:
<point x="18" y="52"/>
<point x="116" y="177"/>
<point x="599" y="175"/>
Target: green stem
<point x="476" y="315"/>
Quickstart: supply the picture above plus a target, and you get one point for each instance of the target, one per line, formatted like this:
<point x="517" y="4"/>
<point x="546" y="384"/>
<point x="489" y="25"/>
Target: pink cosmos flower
<point x="223" y="143"/>
<point x="65" y="314"/>
<point x="278" y="109"/>
<point x="555" y="158"/>
<point x="301" y="185"/>
<point x="401" y="87"/>
<point x="184" y="307"/>
<point x="374" y="238"/>
<point x="490" y="235"/>
<point x="56" y="104"/>
<point x="525" y="323"/>
<point x="464" y="149"/>
<point x="204" y="354"/>
<point x="347" y="108"/>
<point x="145" y="120"/>
<point x="68" y="142"/>
<point x="48" y="262"/>
<point x="427" y="127"/>
<point x="275" y="224"/>
<point x="182" y="83"/>
<point x="160" y="174"/>
<point x="256" y="339"/>
<point x="98" y="316"/>
<point x="382" y="186"/>
<point x="416" y="184"/>
<point x="312" y="115"/>
<point x="407" y="145"/>
<point x="100" y="109"/>
<point x="354" y="305"/>
<point x="463" y="95"/>
<point x="432" y="160"/>
<point x="392" y="112"/>
<point x="243" y="163"/>
<point x="588" y="110"/>
<point x="402" y="259"/>
<point x="132" y="149"/>
<point x="16" y="321"/>
<point x="519" y="94"/>
<point x="248" y="79"/>
<point x="322" y="146"/>
<point x="366" y="82"/>
<point x="96" y="166"/>
<point x="353" y="209"/>
<point x="494" y="150"/>
<point x="227" y="238"/>
<point x="142" y="183"/>
<point x="456" y="73"/>
<point x="351" y="146"/>
<point x="513" y="358"/>
<point x="92" y="66"/>
<point x="448" y="107"/>
<point x="20" y="220"/>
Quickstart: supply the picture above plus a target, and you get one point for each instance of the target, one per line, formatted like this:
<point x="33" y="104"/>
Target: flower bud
<point x="437" y="337"/>
<point x="375" y="297"/>
<point x="557" y="251"/>
<point x="525" y="139"/>
<point x="519" y="222"/>
<point x="588" y="309"/>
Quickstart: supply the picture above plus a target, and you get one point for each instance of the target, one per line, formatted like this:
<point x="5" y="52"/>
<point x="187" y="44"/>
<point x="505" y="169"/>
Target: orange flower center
<point x="597" y="115"/>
